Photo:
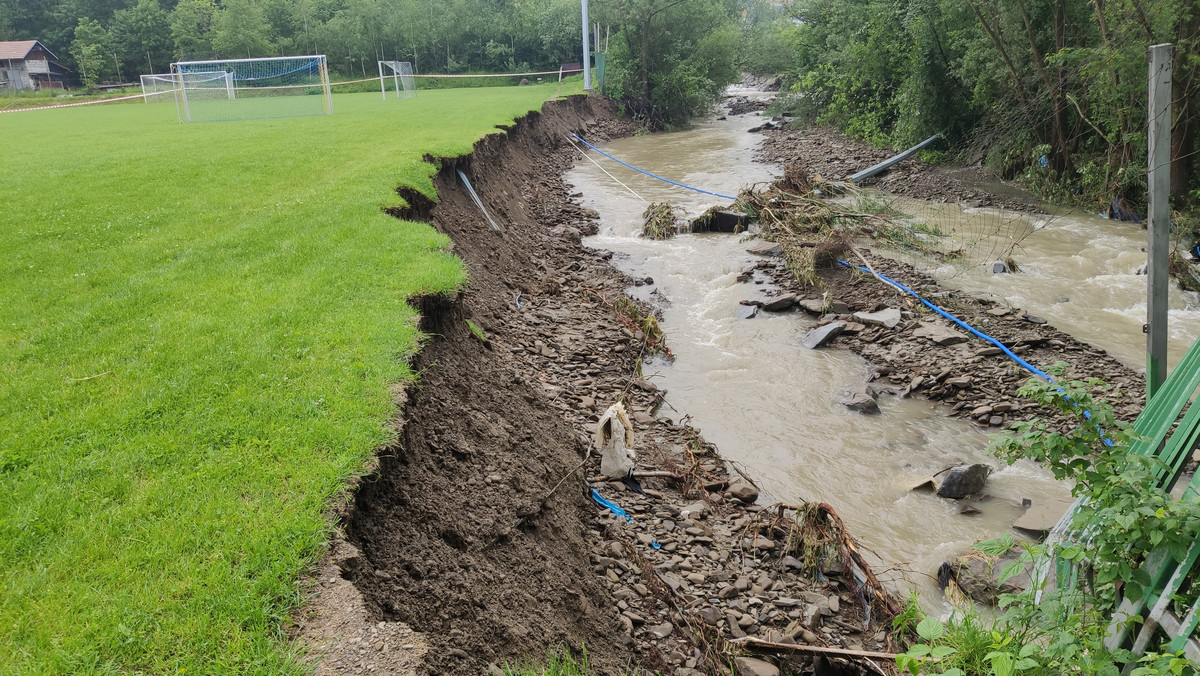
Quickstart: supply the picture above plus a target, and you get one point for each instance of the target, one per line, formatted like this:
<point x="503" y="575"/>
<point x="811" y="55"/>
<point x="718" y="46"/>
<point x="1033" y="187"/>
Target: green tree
<point x="91" y="51"/>
<point x="240" y="30"/>
<point x="142" y="36"/>
<point x="6" y="20"/>
<point x="191" y="28"/>
<point x="672" y="58"/>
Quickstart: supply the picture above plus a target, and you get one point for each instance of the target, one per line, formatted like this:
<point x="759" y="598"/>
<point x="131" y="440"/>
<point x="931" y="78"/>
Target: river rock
<point x="813" y="305"/>
<point x="779" y="303"/>
<point x="1034" y="319"/>
<point x="744" y="492"/>
<point x="696" y="510"/>
<point x="662" y="630"/>
<point x="823" y="335"/>
<point x="747" y="311"/>
<point x="999" y="268"/>
<point x="964" y="480"/>
<point x="888" y="318"/>
<point x="709" y="615"/>
<point x="977" y="574"/>
<point x="939" y="334"/>
<point x="752" y="666"/>
<point x="762" y="247"/>
<point x="859" y="398"/>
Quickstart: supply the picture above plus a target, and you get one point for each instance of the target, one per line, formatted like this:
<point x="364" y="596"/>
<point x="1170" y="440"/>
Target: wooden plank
<point x="752" y="642"/>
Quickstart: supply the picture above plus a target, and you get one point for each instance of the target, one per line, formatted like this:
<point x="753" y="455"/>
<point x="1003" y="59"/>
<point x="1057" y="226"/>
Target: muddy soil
<point x="828" y="153"/>
<point x="479" y="531"/>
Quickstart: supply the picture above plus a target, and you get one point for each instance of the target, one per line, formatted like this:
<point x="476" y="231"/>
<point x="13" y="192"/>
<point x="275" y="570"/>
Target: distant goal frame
<point x="185" y="71"/>
<point x="403" y="81"/>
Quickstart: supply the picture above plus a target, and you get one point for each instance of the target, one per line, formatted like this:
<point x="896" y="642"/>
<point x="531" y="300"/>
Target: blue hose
<point x="643" y="171"/>
<point x="975" y="332"/>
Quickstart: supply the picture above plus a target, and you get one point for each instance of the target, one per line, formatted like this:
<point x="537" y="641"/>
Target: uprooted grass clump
<point x="660" y="221"/>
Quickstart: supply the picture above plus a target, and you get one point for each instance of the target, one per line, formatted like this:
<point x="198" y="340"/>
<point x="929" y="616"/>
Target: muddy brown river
<point x="771" y="405"/>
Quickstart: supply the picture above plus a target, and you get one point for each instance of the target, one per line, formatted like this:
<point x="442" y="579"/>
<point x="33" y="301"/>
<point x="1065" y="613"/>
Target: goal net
<point x="158" y="88"/>
<point x="250" y="89"/>
<point x="396" y="75"/>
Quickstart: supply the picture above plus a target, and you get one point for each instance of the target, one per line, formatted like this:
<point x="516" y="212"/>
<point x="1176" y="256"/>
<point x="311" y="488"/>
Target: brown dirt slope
<point x="457" y="534"/>
<point x="477" y="531"/>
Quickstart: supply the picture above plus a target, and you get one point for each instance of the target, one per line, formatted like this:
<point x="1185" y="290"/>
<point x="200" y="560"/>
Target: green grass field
<point x="199" y="325"/>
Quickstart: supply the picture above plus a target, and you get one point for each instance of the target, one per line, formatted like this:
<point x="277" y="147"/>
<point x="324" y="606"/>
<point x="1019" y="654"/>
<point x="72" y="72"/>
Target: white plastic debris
<point x="614" y="441"/>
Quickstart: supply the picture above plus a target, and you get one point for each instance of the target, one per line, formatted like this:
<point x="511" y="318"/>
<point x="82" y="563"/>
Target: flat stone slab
<point x="888" y="318"/>
<point x="1042" y="515"/>
<point x="752" y="666"/>
<point x="779" y="303"/>
<point x="823" y="335"/>
<point x="939" y="334"/>
<point x="762" y="247"/>
<point x="813" y="305"/>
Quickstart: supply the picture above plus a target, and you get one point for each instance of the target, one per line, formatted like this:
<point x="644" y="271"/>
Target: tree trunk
<point x="1063" y="160"/>
<point x="646" y="60"/>
<point x="1012" y="71"/>
<point x="1187" y="99"/>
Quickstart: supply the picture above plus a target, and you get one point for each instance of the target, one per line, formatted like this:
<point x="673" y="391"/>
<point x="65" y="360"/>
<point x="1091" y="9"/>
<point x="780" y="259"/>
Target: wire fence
<point x="559" y="72"/>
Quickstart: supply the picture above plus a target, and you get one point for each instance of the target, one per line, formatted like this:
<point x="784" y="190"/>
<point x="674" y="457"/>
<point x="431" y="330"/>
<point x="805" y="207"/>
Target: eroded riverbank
<point x="478" y="537"/>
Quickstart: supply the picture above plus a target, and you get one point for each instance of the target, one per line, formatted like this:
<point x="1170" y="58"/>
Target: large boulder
<point x="964" y="480"/>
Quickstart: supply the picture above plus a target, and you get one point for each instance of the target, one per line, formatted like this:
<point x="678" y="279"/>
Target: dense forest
<point x="1053" y="91"/>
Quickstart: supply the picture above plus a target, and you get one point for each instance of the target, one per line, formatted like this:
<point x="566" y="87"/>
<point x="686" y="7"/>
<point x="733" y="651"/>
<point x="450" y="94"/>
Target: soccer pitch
<point x="199" y="327"/>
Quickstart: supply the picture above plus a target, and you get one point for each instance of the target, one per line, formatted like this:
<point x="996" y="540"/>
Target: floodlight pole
<point x="587" y="66"/>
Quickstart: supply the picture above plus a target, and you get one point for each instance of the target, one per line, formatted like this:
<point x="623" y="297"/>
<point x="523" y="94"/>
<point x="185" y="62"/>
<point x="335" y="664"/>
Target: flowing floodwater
<point x="1075" y="269"/>
<point x="767" y="402"/>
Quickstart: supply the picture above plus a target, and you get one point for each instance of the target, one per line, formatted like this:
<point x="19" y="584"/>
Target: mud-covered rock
<point x="859" y="398"/>
<point x="963" y="481"/>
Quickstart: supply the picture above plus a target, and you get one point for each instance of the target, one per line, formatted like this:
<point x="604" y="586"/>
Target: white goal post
<point x="157" y="86"/>
<point x="247" y="89"/>
<point x="401" y="75"/>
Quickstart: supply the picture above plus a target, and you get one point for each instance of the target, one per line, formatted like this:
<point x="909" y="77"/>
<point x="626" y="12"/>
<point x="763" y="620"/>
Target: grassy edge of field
<point x="57" y="613"/>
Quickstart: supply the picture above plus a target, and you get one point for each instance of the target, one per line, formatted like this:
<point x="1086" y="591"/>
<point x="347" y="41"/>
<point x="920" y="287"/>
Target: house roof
<point x="20" y="49"/>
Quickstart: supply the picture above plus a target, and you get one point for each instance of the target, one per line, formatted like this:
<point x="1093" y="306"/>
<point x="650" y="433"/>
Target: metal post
<point x="1158" y="225"/>
<point x="587" y="67"/>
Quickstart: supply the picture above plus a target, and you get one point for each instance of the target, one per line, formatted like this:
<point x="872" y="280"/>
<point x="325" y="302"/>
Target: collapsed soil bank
<point x="478" y="531"/>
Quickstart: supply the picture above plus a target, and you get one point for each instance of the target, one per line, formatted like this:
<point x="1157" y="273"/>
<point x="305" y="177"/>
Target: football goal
<point x="158" y="88"/>
<point x="250" y="89"/>
<point x="396" y="75"/>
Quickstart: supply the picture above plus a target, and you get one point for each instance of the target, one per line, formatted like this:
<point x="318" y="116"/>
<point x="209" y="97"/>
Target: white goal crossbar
<point x="401" y="75"/>
<point x="251" y="88"/>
